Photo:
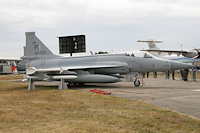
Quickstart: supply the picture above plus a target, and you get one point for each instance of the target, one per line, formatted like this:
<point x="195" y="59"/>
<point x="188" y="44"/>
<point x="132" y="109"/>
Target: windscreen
<point x="139" y="54"/>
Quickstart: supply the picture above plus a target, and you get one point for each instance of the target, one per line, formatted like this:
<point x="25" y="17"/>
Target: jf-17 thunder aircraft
<point x="42" y="64"/>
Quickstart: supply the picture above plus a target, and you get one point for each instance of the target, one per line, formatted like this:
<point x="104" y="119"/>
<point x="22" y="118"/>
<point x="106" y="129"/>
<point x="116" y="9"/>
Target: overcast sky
<point x="108" y="24"/>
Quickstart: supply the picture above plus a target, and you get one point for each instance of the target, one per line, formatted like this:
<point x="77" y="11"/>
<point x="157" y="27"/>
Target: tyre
<point x="71" y="84"/>
<point x="137" y="83"/>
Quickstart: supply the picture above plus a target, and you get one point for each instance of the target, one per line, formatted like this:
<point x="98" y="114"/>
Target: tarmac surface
<point x="177" y="95"/>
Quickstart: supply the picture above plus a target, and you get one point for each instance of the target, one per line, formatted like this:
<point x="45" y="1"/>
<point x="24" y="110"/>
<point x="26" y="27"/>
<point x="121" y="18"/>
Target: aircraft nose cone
<point x="179" y="65"/>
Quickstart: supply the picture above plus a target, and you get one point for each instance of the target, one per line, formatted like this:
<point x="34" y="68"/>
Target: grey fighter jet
<point x="42" y="64"/>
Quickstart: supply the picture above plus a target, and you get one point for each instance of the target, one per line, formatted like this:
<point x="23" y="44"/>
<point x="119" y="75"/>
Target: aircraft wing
<point x="167" y="51"/>
<point x="112" y="64"/>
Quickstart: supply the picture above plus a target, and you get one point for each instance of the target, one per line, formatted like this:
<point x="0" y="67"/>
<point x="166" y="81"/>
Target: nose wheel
<point x="137" y="82"/>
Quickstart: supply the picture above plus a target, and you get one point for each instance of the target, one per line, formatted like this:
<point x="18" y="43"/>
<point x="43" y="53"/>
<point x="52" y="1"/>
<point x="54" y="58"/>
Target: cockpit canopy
<point x="140" y="54"/>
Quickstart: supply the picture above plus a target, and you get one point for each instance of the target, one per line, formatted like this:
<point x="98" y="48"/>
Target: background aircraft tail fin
<point x="152" y="44"/>
<point x="198" y="54"/>
<point x="34" y="47"/>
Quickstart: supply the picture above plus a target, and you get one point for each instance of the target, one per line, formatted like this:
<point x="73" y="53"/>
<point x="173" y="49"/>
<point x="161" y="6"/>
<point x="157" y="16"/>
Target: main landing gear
<point x="73" y="84"/>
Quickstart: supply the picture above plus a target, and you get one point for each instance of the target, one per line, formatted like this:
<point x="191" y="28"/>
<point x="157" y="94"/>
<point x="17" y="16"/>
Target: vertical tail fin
<point x="152" y="44"/>
<point x="34" y="47"/>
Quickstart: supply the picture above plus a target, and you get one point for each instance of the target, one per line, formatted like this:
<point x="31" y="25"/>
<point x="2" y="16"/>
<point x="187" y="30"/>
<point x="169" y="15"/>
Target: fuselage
<point x="126" y="63"/>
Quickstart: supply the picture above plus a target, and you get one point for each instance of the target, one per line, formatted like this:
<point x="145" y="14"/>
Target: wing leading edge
<point x="32" y="70"/>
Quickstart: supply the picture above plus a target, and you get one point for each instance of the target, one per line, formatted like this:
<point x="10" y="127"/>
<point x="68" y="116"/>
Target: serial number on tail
<point x="40" y="52"/>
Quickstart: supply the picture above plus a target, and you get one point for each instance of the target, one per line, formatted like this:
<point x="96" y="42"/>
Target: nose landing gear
<point x="136" y="82"/>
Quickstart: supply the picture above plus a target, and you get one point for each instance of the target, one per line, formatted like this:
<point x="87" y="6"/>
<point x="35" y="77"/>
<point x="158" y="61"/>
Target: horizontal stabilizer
<point x="151" y="43"/>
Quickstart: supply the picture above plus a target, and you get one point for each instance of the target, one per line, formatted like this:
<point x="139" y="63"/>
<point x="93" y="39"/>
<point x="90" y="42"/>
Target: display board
<point x="72" y="44"/>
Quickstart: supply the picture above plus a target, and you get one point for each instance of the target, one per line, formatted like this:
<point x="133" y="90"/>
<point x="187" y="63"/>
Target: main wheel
<point x="82" y="84"/>
<point x="71" y="84"/>
<point x="137" y="83"/>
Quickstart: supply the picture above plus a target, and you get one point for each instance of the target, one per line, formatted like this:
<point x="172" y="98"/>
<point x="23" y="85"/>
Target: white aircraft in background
<point x="192" y="56"/>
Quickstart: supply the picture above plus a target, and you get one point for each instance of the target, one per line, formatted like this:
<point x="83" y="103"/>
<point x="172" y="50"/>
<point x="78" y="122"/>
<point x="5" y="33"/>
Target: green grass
<point x="11" y="77"/>
<point x="48" y="109"/>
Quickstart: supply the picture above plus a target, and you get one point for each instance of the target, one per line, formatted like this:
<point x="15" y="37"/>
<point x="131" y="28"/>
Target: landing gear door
<point x="129" y="77"/>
